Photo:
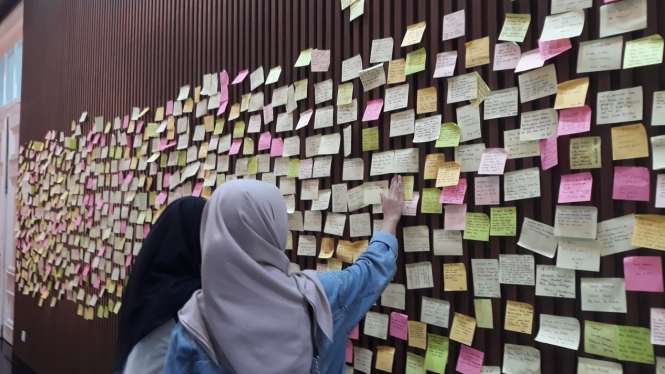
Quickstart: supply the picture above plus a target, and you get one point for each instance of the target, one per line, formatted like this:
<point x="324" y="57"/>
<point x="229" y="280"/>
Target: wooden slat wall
<point x="107" y="56"/>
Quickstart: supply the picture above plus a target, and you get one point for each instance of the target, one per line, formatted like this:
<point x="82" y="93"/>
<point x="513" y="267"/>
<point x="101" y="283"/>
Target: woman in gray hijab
<point x="252" y="315"/>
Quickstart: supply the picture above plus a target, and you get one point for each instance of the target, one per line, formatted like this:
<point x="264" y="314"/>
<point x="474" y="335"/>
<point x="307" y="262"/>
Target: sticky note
<point x="449" y="135"/>
<point x="643" y="52"/>
<point x="470" y="360"/>
<point x="399" y="325"/>
<point x="649" y="231"/>
<point x="448" y="174"/>
<point x="373" y="110"/>
<point x="515" y="27"/>
<point x="549" y="153"/>
<point x="414" y="34"/>
<point x="519" y="317"/>
<point x="484" y="315"/>
<point x="417" y="334"/>
<point x="478" y="52"/>
<point x="463" y="329"/>
<point x="454" y="277"/>
<point x="631" y="183"/>
<point x="574" y="120"/>
<point x="415" y="61"/>
<point x="437" y="353"/>
<point x="453" y="194"/>
<point x="503" y="221"/>
<point x="572" y="93"/>
<point x="427" y="100"/>
<point x="585" y="153"/>
<point x="477" y="227"/>
<point x="431" y="204"/>
<point x="575" y="188"/>
<point x="370" y="139"/>
<point x="643" y="273"/>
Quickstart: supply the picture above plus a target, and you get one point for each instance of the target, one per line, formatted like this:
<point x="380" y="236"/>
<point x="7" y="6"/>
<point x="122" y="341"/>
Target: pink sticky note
<point x="88" y="183"/>
<point x="241" y="76"/>
<point x="549" y="154"/>
<point x="470" y="360"/>
<point x="487" y="190"/>
<point x="139" y="127"/>
<point x="529" y="60"/>
<point x="222" y="107"/>
<point x="643" y="273"/>
<point x="349" y="351"/>
<point x="128" y="260"/>
<point x="355" y="333"/>
<point x="410" y="208"/>
<point x="264" y="141"/>
<point x="146" y="230"/>
<point x="100" y="204"/>
<point x="575" y="188"/>
<point x="223" y="93"/>
<point x="101" y="251"/>
<point x="125" y="122"/>
<point x="553" y="48"/>
<point x="48" y="136"/>
<point x="98" y="281"/>
<point x="631" y="183"/>
<point x="455" y="217"/>
<point x="167" y="180"/>
<point x="506" y="56"/>
<point x="77" y="268"/>
<point x="235" y="146"/>
<point x="96" y="138"/>
<point x="574" y="120"/>
<point x="86" y="198"/>
<point x="162" y="144"/>
<point x="254" y="124"/>
<point x="277" y="148"/>
<point x="306" y="167"/>
<point x="123" y="227"/>
<point x="169" y="108"/>
<point x="129" y="178"/>
<point x="89" y="136"/>
<point x="304" y="119"/>
<point x="161" y="198"/>
<point x="197" y="189"/>
<point x="399" y="325"/>
<point x="78" y="220"/>
<point x="48" y="269"/>
<point x="89" y="147"/>
<point x="268" y="114"/>
<point x="320" y="60"/>
<point x="111" y="208"/>
<point x="223" y="78"/>
<point x="86" y="269"/>
<point x="373" y="110"/>
<point x="103" y="142"/>
<point x="454" y="194"/>
<point x="445" y="64"/>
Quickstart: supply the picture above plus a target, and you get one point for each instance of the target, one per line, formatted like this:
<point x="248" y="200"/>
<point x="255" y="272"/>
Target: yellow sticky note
<point x="478" y="52"/>
<point x="601" y="339"/>
<point x="396" y="71"/>
<point x="289" y="240"/>
<point x="273" y="75"/>
<point x="483" y="90"/>
<point x="427" y="100"/>
<point x="417" y="334"/>
<point x="477" y="227"/>
<point x="235" y="112"/>
<point x="515" y="27"/>
<point x="345" y="94"/>
<point x="304" y="59"/>
<point x="345" y="251"/>
<point x="484" y="316"/>
<point x="649" y="231"/>
<point x="430" y="201"/>
<point x="437" y="353"/>
<point x="572" y="94"/>
<point x="642" y="52"/>
<point x="454" y="277"/>
<point x="463" y="329"/>
<point x="415" y="61"/>
<point x="248" y="146"/>
<point x="629" y="142"/>
<point x="239" y="130"/>
<point x="327" y="248"/>
<point x="244" y="104"/>
<point x="253" y="165"/>
<point x="448" y="174"/>
<point x="585" y="153"/>
<point x="294" y="168"/>
<point x="449" y="135"/>
<point x="407" y="187"/>
<point x="414" y="33"/>
<point x="357" y="9"/>
<point x="159" y="114"/>
<point x="219" y="126"/>
<point x="301" y="89"/>
<point x="370" y="139"/>
<point x="433" y="163"/>
<point x="519" y="317"/>
<point x="503" y="221"/>
<point x="209" y="123"/>
<point x="189" y="105"/>
<point x="334" y="264"/>
<point x="197" y="94"/>
<point x="203" y="151"/>
<point x="384" y="357"/>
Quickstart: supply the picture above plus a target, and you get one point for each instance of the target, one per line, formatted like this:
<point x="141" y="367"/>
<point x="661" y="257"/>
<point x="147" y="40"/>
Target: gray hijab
<point x="251" y="314"/>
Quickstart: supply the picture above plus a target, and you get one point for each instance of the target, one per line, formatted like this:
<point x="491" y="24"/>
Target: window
<point x="10" y="74"/>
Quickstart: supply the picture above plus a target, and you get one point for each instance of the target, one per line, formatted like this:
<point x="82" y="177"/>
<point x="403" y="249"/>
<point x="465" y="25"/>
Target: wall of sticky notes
<point x="530" y="147"/>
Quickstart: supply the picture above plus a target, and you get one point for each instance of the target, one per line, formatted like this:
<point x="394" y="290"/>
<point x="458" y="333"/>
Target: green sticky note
<point x="154" y="157"/>
<point x="239" y="130"/>
<point x="72" y="143"/>
<point x="414" y="364"/>
<point x="484" y="318"/>
<point x="118" y="153"/>
<point x="415" y="61"/>
<point x="163" y="161"/>
<point x="294" y="168"/>
<point x="153" y="197"/>
<point x="431" y="202"/>
<point x="449" y="135"/>
<point x="635" y="344"/>
<point x="151" y="130"/>
<point x="219" y="126"/>
<point x="304" y="59"/>
<point x="600" y="339"/>
<point x="503" y="221"/>
<point x="482" y="90"/>
<point x="407" y="187"/>
<point x="437" y="353"/>
<point x="370" y="139"/>
<point x="477" y="227"/>
<point x="182" y="158"/>
<point x="253" y="165"/>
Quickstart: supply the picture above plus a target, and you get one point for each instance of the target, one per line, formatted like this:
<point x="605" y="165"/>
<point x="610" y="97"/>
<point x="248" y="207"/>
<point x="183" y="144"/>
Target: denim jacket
<point x="351" y="293"/>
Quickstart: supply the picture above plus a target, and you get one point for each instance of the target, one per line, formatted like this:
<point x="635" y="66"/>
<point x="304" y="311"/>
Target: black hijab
<point x="165" y="274"/>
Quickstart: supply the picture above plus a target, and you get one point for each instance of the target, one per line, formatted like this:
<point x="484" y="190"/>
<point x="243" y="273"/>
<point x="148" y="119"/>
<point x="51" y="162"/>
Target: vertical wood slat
<point x="106" y="57"/>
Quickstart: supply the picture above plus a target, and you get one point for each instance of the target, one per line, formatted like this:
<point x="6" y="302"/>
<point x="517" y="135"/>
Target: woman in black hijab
<point x="166" y="273"/>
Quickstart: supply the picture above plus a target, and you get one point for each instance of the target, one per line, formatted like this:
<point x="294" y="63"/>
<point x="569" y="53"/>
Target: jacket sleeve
<point x="354" y="290"/>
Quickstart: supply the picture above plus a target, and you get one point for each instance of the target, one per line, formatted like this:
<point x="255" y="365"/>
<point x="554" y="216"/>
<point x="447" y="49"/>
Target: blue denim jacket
<point x="351" y="293"/>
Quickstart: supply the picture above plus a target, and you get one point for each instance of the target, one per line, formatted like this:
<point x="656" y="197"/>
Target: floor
<point x="9" y="366"/>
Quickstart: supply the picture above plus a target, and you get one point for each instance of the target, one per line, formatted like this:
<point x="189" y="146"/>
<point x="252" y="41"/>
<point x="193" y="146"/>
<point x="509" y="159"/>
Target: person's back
<point x="252" y="315"/>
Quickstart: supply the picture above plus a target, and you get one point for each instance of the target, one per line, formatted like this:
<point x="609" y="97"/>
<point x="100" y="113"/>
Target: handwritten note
<point x="604" y="295"/>
<point x="445" y="64"/>
<point x="572" y="93"/>
<point x="453" y="25"/>
<point x="643" y="273"/>
<point x="600" y="55"/>
<point x="485" y="277"/>
<point x="629" y="142"/>
<point x="522" y="184"/>
<point x="623" y="16"/>
<point x="517" y="269"/>
<point x="414" y="33"/>
<point x="538" y="83"/>
<point x="649" y="231"/>
<point x="515" y="27"/>
<point x="575" y="188"/>
<point x="470" y="361"/>
<point x="506" y="56"/>
<point x="564" y="25"/>
<point x="619" y="106"/>
<point x="579" y="255"/>
<point x="463" y="329"/>
<point x="519" y="359"/>
<point x="574" y="120"/>
<point x="631" y="183"/>
<point x="555" y="282"/>
<point x="539" y="124"/>
<point x="643" y="52"/>
<point x="585" y="153"/>
<point x="502" y="103"/>
<point x="519" y="317"/>
<point x="477" y="227"/>
<point x="560" y="331"/>
<point x="478" y="52"/>
<point x="487" y="190"/>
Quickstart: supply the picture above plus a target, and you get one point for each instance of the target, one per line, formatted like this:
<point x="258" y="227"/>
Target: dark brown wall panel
<point x="107" y="56"/>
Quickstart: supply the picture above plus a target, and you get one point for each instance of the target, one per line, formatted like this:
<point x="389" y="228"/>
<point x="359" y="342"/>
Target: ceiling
<point x="6" y="6"/>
